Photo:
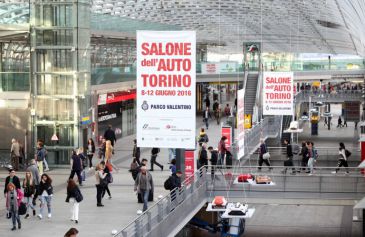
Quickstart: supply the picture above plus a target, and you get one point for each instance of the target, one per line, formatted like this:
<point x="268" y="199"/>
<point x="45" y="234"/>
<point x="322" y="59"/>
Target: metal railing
<point x="269" y="127"/>
<point x="168" y="205"/>
<point x="171" y="212"/>
<point x="320" y="96"/>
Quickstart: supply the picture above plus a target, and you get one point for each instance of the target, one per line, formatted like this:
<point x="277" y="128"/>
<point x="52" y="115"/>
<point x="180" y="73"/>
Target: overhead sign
<point x="221" y="67"/>
<point x="241" y="122"/>
<point x="85" y="120"/>
<point x="278" y="93"/>
<point x="227" y="131"/>
<point x="166" y="89"/>
<point x="189" y="163"/>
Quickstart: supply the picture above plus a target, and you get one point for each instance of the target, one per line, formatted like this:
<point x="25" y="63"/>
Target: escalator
<point x="250" y="92"/>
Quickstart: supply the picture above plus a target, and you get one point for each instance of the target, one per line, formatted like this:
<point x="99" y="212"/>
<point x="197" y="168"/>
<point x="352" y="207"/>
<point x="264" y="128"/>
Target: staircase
<point x="250" y="92"/>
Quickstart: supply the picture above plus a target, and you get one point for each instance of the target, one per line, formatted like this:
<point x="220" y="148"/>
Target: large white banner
<point x="166" y="89"/>
<point x="278" y="93"/>
<point x="241" y="122"/>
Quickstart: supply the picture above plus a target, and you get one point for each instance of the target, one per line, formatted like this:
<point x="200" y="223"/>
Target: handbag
<point x="266" y="156"/>
<point x="8" y="215"/>
<point x="79" y="196"/>
<point x="22" y="209"/>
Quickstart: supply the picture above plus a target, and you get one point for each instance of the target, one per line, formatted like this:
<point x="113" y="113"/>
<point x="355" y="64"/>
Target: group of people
<point x="34" y="186"/>
<point x="309" y="156"/>
<point x="37" y="185"/>
<point x="218" y="156"/>
<point x="217" y="111"/>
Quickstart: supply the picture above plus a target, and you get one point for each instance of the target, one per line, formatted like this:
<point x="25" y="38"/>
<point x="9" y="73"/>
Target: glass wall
<point x="61" y="78"/>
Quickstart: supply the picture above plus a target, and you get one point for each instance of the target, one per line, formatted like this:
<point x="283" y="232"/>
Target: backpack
<point x="168" y="185"/>
<point x="347" y="153"/>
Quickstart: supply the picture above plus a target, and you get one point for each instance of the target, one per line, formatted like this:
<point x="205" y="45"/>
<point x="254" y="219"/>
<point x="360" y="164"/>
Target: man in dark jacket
<point x="305" y="156"/>
<point x="76" y="167"/>
<point x="175" y="183"/>
<point x="203" y="156"/>
<point x="154" y="153"/>
<point x="176" y="180"/>
<point x="136" y="152"/>
<point x="12" y="178"/>
<point x="289" y="154"/>
<point x="109" y="134"/>
<point x="213" y="159"/>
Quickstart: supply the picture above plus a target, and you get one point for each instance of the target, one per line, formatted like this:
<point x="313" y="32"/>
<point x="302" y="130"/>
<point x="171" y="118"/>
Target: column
<point x="60" y="73"/>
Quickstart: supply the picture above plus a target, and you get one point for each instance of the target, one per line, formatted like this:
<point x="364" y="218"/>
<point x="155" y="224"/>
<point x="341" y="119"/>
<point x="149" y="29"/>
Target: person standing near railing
<point x="304" y="154"/>
<point x="222" y="150"/>
<point x="312" y="157"/>
<point x="262" y="151"/>
<point x="213" y="159"/>
<point x="289" y="155"/>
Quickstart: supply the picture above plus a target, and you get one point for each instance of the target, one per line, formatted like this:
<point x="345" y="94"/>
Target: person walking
<point x="203" y="137"/>
<point x="29" y="191"/>
<point x="80" y="153"/>
<point x="133" y="168"/>
<point x="304" y="154"/>
<point x="342" y="159"/>
<point x="143" y="185"/>
<point x="339" y="122"/>
<point x="227" y="110"/>
<point x="35" y="174"/>
<point x="136" y="152"/>
<point x="213" y="159"/>
<point x="218" y="114"/>
<point x="222" y="150"/>
<point x="262" y="151"/>
<point x="76" y="166"/>
<point x="203" y="156"/>
<point x="109" y="151"/>
<point x="109" y="134"/>
<point x="289" y="155"/>
<point x="40" y="143"/>
<point x="99" y="176"/>
<point x="207" y="101"/>
<point x="40" y="156"/>
<point x="206" y="117"/>
<point x="312" y="157"/>
<point x="46" y="193"/>
<point x="12" y="178"/>
<point x="15" y="154"/>
<point x="108" y="178"/>
<point x="102" y="149"/>
<point x="74" y="195"/>
<point x="173" y="166"/>
<point x="13" y="200"/>
<point x="175" y="184"/>
<point x="90" y="152"/>
<point x="154" y="153"/>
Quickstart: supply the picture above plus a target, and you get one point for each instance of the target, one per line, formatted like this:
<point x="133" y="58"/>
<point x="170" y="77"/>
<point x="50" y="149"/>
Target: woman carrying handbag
<point x="74" y="195"/>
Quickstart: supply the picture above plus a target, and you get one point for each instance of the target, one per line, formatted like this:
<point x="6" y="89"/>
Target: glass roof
<point x="106" y="22"/>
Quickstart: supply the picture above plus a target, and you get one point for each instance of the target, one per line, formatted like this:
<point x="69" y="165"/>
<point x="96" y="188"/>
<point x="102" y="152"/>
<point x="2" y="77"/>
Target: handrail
<point x="258" y="96"/>
<point x="190" y="180"/>
<point x="321" y="183"/>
